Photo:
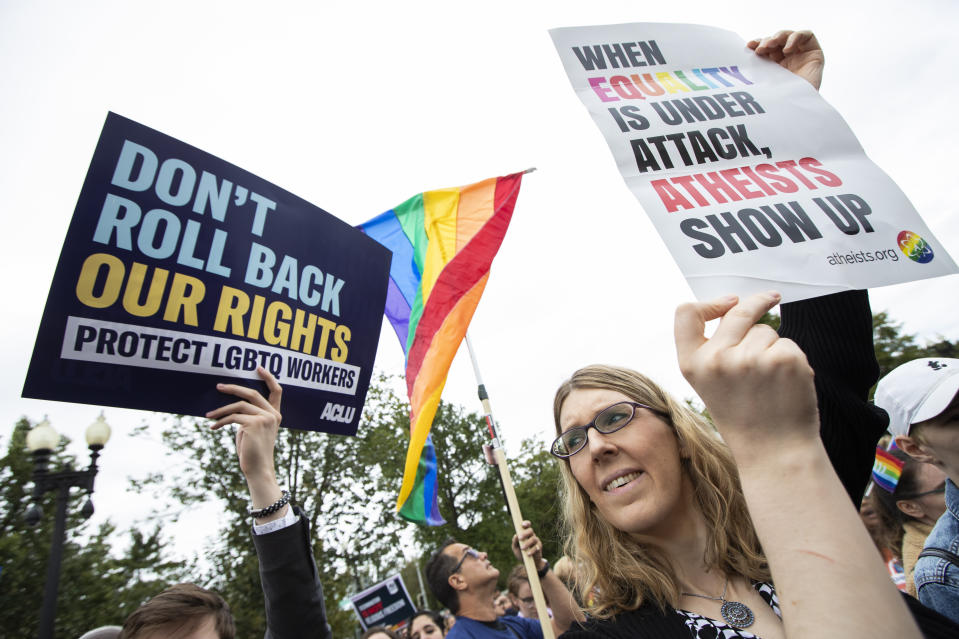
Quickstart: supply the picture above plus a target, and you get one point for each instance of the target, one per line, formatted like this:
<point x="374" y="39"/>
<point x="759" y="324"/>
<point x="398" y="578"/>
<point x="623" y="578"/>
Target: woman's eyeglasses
<point x="609" y="420"/>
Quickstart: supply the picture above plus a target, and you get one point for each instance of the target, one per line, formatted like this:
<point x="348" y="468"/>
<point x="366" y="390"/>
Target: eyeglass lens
<point x="469" y="552"/>
<point x="608" y="421"/>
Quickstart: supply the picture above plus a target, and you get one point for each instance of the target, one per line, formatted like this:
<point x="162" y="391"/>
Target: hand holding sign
<point x="258" y="419"/>
<point x="796" y="51"/>
<point x="751" y="179"/>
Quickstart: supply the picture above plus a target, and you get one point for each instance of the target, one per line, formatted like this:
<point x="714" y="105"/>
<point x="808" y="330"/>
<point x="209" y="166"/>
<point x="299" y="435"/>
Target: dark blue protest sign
<point x="385" y="604"/>
<point x="180" y="270"/>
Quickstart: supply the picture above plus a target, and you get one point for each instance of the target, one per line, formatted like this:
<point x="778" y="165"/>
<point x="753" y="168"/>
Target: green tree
<point x="770" y="319"/>
<point x="99" y="584"/>
<point x="348" y="488"/>
<point x="471" y="497"/>
<point x="893" y="346"/>
<point x="537" y="480"/>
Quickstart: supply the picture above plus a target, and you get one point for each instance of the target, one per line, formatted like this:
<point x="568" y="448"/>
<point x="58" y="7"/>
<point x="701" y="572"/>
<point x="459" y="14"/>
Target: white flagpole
<point x="500" y="458"/>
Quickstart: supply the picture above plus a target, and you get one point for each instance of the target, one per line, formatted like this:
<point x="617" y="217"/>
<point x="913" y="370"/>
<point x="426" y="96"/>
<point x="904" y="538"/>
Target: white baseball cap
<point x="916" y="391"/>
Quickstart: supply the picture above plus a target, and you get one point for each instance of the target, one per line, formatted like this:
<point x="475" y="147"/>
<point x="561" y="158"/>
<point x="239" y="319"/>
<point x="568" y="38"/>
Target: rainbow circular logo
<point x="914" y="247"/>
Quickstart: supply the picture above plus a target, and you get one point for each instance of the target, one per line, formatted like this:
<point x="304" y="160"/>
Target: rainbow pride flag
<point x="443" y="245"/>
<point x="886" y="470"/>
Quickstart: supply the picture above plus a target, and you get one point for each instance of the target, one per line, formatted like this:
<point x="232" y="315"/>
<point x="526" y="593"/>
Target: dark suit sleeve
<point x="291" y="584"/>
<point x="835" y="332"/>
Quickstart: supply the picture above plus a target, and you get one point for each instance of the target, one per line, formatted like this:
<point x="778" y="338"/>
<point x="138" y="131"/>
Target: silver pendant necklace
<point x="736" y="614"/>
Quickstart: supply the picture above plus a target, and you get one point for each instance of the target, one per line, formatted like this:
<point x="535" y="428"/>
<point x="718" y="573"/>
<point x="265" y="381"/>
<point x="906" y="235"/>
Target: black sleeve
<point x="932" y="624"/>
<point x="291" y="584"/>
<point x="835" y="332"/>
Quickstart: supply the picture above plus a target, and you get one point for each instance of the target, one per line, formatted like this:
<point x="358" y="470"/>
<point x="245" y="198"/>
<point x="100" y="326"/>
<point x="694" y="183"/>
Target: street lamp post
<point x="41" y="441"/>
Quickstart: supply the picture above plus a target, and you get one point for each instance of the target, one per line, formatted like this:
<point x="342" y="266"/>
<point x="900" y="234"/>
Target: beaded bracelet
<point x="272" y="508"/>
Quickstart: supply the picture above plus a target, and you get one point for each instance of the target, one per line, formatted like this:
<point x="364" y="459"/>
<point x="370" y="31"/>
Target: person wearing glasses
<point x="463" y="579"/>
<point x="908" y="513"/>
<point x="521" y="593"/>
<point x="659" y="508"/>
<point x="657" y="519"/>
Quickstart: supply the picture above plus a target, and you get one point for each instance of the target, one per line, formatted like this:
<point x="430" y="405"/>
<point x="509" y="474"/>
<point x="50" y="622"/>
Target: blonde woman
<point x="658" y="521"/>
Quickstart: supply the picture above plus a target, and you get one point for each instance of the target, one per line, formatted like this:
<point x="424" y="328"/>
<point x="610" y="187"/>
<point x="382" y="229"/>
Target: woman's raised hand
<point x="757" y="386"/>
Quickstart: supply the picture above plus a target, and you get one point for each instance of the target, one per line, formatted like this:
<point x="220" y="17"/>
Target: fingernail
<point x="776" y="295"/>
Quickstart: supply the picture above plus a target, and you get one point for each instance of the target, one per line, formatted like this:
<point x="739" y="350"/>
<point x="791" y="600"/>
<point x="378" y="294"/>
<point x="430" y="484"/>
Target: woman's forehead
<point x="582" y="404"/>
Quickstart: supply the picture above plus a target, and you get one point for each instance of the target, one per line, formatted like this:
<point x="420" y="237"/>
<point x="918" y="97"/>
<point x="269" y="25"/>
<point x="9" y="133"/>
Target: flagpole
<point x="513" y="504"/>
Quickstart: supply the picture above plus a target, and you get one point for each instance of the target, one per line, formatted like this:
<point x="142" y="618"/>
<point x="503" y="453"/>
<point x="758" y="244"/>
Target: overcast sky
<point x="357" y="106"/>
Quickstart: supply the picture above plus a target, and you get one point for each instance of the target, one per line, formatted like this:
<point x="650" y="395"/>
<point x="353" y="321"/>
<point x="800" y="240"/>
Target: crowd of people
<point x="675" y="527"/>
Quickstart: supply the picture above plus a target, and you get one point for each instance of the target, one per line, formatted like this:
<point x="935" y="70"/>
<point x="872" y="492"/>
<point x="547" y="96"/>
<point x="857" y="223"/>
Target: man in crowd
<point x="464" y="581"/>
<point x="922" y="399"/>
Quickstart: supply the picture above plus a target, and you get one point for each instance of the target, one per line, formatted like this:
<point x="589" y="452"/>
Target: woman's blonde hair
<point x="620" y="571"/>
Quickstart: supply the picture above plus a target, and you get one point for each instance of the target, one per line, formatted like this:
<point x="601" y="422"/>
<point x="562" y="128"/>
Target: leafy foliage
<point x="348" y="486"/>
<point x="770" y="319"/>
<point x="537" y="490"/>
<point x="471" y="497"/>
<point x="334" y="479"/>
<point x="894" y="347"/>
<point x="97" y="587"/>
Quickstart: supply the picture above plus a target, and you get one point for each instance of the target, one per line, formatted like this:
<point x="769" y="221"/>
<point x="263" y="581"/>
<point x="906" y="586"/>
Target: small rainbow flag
<point x="886" y="470"/>
<point x="443" y="244"/>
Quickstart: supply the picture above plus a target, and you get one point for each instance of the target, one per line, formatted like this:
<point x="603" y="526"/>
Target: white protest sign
<point x="753" y="181"/>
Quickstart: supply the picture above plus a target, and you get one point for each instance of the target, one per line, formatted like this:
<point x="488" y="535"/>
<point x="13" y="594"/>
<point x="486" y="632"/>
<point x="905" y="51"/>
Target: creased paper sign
<point x="753" y="181"/>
